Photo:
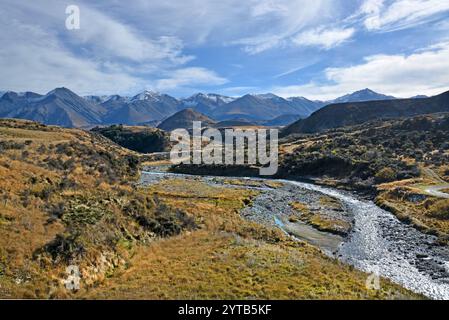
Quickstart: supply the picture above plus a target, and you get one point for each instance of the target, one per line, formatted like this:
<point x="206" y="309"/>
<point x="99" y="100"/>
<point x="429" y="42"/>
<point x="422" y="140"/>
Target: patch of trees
<point x="143" y="140"/>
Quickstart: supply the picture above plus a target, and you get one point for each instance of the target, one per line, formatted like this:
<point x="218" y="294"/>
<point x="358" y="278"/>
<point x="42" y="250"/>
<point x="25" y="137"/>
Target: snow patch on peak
<point x="193" y="100"/>
<point x="297" y="98"/>
<point x="147" y="95"/>
<point x="267" y="96"/>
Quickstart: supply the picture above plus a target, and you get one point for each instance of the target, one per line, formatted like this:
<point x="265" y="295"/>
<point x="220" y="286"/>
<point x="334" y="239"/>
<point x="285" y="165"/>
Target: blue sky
<point x="319" y="49"/>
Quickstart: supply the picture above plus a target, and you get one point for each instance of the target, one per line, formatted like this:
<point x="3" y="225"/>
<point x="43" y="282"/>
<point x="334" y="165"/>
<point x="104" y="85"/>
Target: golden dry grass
<point x="29" y="186"/>
<point x="398" y="196"/>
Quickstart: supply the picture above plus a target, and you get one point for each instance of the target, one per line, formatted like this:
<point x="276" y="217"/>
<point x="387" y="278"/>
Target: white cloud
<point x="104" y="56"/>
<point x="372" y="6"/>
<point x="34" y="60"/>
<point x="423" y="72"/>
<point x="325" y="38"/>
<point x="124" y="46"/>
<point x="99" y="34"/>
<point x="401" y="14"/>
<point x="190" y="77"/>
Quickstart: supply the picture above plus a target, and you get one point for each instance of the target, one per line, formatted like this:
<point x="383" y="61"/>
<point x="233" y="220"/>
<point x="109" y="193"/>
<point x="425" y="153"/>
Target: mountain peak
<point x="60" y="89"/>
<point x="115" y="97"/>
<point x="366" y="91"/>
<point x="184" y="119"/>
<point x="61" y="93"/>
<point x="147" y="95"/>
<point x="362" y="95"/>
<point x="266" y="96"/>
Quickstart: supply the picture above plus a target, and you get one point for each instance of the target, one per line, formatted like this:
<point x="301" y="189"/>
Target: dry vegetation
<point x="67" y="197"/>
<point x="409" y="203"/>
<point x="372" y="153"/>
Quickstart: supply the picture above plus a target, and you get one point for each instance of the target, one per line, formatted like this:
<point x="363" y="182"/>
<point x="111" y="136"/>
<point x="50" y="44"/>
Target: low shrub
<point x="440" y="209"/>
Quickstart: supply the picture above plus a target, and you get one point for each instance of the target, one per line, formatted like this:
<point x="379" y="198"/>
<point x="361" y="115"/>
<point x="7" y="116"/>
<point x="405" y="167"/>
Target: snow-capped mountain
<point x="205" y="103"/>
<point x="259" y="107"/>
<point x="146" y="106"/>
<point x="362" y="95"/>
<point x="152" y="96"/>
<point x="267" y="96"/>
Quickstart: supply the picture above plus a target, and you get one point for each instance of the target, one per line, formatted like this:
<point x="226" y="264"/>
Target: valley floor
<point x="231" y="257"/>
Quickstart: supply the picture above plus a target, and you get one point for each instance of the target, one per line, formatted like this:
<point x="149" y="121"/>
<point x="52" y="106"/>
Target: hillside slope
<point x="347" y="114"/>
<point x="396" y="160"/>
<point x="67" y="199"/>
<point x="184" y="120"/>
<point x="144" y="107"/>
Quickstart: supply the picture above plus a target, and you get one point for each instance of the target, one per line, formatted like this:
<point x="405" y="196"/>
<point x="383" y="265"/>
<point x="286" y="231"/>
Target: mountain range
<point x="353" y="113"/>
<point x="65" y="108"/>
<point x="60" y="107"/>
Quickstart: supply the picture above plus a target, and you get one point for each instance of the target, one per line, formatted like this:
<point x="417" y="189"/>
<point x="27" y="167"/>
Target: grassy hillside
<point x="349" y="114"/>
<point x="376" y="152"/>
<point x="68" y="198"/>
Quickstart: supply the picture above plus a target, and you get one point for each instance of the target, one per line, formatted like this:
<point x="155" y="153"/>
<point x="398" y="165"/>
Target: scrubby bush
<point x="11" y="145"/>
<point x="440" y="209"/>
<point x="64" y="248"/>
<point x="385" y="175"/>
<point x="158" y="218"/>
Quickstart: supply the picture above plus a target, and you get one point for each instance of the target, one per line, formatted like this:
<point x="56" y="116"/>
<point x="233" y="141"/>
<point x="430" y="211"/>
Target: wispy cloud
<point x="325" y="38"/>
<point x="33" y="59"/>
<point x="281" y="22"/>
<point x="382" y="15"/>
